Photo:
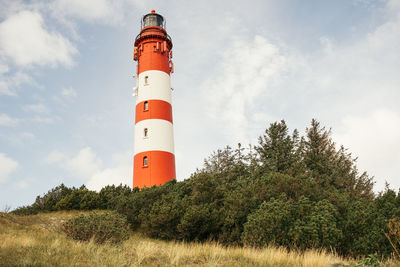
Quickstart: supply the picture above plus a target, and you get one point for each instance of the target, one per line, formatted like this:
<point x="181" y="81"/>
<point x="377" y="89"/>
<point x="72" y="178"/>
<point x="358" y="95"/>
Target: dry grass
<point x="37" y="241"/>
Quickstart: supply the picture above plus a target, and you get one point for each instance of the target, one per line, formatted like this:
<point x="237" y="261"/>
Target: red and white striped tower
<point x="154" y="159"/>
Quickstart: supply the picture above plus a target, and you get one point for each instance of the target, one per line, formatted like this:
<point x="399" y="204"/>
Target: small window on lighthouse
<point x="145" y="132"/>
<point x="145" y="161"/>
<point x="146" y="80"/>
<point x="146" y="106"/>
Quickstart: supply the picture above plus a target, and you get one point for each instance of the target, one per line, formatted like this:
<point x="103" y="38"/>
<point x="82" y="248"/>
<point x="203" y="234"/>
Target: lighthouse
<point x="154" y="158"/>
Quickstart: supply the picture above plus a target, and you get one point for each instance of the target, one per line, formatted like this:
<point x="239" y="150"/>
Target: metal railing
<point x="165" y="34"/>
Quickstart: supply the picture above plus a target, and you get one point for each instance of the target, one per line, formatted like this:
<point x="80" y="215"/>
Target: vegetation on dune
<point x="292" y="191"/>
<point x="38" y="240"/>
<point x="101" y="227"/>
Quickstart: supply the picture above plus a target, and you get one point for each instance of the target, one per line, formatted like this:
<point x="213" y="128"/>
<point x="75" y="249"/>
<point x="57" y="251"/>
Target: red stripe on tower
<point x="154" y="159"/>
<point x="153" y="109"/>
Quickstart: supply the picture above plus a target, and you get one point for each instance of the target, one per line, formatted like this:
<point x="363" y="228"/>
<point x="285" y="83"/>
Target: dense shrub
<point x="295" y="191"/>
<point x="300" y="224"/>
<point x="79" y="199"/>
<point x="49" y="200"/>
<point x="270" y="224"/>
<point x="137" y="205"/>
<point x="102" y="227"/>
<point x="63" y="198"/>
<point x="26" y="210"/>
<point x="111" y="195"/>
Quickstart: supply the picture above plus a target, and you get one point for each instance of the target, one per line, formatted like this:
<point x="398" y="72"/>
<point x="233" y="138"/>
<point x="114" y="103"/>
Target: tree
<point x="331" y="167"/>
<point x="277" y="150"/>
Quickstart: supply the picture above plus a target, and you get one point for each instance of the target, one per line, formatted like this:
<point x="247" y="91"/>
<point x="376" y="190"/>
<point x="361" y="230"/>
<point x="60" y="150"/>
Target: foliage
<point x="47" y="202"/>
<point x="294" y="191"/>
<point x="102" y="227"/>
<point x="285" y="222"/>
<point x="64" y="198"/>
<point x="36" y="244"/>
<point x="394" y="235"/>
<point x="26" y="210"/>
<point x="110" y="195"/>
<point x="370" y="261"/>
<point x="81" y="199"/>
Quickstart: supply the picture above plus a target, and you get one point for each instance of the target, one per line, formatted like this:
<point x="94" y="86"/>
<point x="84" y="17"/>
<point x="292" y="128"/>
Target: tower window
<point x="146" y="106"/>
<point x="145" y="132"/>
<point x="146" y="80"/>
<point x="145" y="164"/>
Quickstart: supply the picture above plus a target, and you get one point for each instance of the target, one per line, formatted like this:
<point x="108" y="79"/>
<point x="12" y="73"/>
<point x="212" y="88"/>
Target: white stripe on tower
<point x="154" y="134"/>
<point x="158" y="86"/>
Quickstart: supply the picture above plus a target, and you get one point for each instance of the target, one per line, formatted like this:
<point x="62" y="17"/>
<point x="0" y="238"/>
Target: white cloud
<point x="106" y="11"/>
<point x="394" y="6"/>
<point x="6" y="120"/>
<point x="69" y="93"/>
<point x="4" y="87"/>
<point x="364" y="72"/>
<point x="10" y="81"/>
<point x="21" y="184"/>
<point x="7" y="166"/>
<point x="43" y="119"/>
<point x="84" y="164"/>
<point x="66" y="95"/>
<point x="54" y="156"/>
<point x="36" y="108"/>
<point x="374" y="137"/>
<point x="25" y="40"/>
<point x="19" y="139"/>
<point x="25" y="183"/>
<point x="121" y="172"/>
<point x="88" y="166"/>
<point x="250" y="70"/>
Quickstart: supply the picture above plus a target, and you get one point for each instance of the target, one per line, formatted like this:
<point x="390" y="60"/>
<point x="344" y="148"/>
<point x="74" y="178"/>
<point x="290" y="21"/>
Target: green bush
<point x="102" y="227"/>
<point x="79" y="199"/>
<point x="370" y="261"/>
<point x="26" y="210"/>
<point x="111" y="195"/>
<point x="269" y="224"/>
<point x="295" y="191"/>
<point x="298" y="224"/>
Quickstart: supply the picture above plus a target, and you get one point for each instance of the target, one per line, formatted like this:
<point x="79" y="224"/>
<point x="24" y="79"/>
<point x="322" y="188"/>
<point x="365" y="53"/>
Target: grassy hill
<point x="37" y="240"/>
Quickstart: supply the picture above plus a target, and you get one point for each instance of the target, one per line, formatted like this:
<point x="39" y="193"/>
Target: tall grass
<point x="37" y="241"/>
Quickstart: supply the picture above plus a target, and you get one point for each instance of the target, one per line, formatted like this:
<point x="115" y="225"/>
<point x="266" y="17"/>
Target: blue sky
<point x="66" y="104"/>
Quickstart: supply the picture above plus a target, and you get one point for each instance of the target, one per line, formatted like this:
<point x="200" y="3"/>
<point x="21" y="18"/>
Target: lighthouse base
<point x="157" y="169"/>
